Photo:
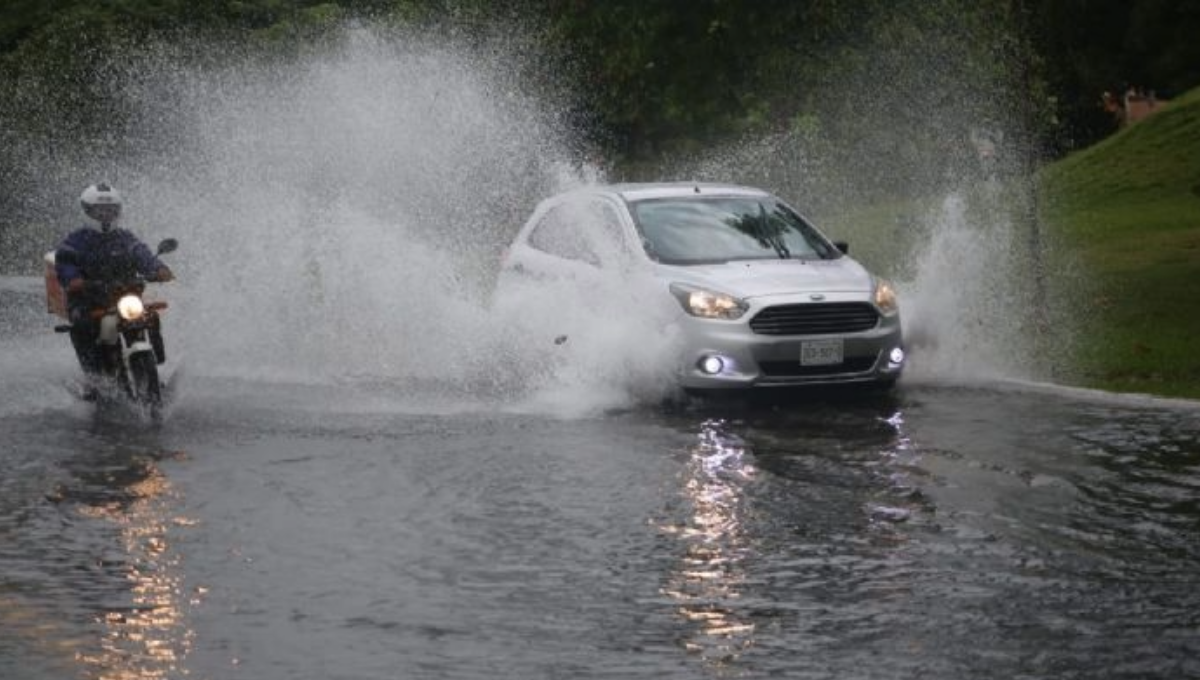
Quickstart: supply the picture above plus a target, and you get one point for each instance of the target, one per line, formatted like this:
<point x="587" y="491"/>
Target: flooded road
<point x="272" y="530"/>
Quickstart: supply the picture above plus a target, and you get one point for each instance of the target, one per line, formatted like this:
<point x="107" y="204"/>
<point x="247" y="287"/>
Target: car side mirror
<point x="842" y="246"/>
<point x="167" y="245"/>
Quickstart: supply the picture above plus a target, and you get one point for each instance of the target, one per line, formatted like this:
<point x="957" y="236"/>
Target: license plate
<point x="821" y="352"/>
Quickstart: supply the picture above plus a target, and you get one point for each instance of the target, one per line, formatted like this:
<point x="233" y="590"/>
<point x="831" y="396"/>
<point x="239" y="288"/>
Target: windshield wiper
<point x="774" y="240"/>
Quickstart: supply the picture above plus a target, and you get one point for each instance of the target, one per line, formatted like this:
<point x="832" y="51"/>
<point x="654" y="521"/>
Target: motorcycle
<point x="131" y="338"/>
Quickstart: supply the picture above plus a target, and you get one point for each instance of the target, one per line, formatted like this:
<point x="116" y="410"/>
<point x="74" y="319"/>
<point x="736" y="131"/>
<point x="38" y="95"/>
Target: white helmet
<point x="101" y="203"/>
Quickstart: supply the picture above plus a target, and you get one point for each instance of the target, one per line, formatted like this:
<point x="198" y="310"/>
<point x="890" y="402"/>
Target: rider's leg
<point x="85" y="336"/>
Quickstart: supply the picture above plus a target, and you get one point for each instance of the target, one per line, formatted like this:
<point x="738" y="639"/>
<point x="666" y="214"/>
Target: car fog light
<point x="897" y="356"/>
<point x="712" y="364"/>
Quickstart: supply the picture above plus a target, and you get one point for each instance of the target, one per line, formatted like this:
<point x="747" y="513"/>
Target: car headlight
<point x="708" y="304"/>
<point x="885" y="297"/>
<point x="130" y="307"/>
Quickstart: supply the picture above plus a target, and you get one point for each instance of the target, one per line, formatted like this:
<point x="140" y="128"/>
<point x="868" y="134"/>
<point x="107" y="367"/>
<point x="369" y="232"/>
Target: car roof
<point x="639" y="191"/>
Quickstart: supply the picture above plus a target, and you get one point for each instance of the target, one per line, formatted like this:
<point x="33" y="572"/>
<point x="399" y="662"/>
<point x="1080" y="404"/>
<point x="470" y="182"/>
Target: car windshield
<point x="706" y="230"/>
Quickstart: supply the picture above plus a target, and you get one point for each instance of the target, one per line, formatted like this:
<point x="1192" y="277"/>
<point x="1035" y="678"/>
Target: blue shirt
<point x="114" y="255"/>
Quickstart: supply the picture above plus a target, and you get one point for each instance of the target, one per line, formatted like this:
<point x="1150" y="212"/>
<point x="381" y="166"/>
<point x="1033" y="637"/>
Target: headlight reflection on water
<point x="149" y="637"/>
<point x="708" y="582"/>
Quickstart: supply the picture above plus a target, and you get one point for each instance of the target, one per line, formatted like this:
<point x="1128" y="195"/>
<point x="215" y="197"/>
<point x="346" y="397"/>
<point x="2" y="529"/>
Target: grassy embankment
<point x="1129" y="209"/>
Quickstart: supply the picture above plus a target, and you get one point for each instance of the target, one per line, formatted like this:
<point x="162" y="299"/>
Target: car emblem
<point x="816" y="297"/>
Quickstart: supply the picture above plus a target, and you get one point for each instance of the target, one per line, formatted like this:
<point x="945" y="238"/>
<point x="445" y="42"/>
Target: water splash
<point x="342" y="214"/>
<point x="967" y="307"/>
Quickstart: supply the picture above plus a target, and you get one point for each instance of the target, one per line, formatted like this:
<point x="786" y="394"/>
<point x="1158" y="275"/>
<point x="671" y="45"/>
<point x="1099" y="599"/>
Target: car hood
<point x="757" y="278"/>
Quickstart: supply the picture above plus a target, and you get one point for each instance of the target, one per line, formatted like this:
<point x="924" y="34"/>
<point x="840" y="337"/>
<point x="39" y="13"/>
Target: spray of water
<point x="342" y="213"/>
<point x="967" y="303"/>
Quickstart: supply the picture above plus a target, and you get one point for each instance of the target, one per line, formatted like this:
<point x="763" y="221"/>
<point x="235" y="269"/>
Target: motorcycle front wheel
<point x="143" y="374"/>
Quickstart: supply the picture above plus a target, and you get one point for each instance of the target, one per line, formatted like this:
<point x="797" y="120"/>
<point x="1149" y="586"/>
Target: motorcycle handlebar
<point x="112" y="288"/>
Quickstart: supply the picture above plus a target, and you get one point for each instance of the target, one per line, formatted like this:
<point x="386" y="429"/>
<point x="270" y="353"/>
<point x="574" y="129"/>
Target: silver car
<point x="760" y="297"/>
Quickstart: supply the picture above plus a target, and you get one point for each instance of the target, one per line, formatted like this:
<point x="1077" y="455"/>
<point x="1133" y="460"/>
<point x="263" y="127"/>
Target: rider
<point x="86" y="259"/>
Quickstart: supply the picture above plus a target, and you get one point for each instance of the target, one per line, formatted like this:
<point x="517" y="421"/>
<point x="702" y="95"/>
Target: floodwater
<point x="371" y="530"/>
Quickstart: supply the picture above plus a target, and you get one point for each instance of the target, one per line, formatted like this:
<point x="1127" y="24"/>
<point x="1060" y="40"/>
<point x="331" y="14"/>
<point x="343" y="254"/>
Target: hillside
<point x="1129" y="209"/>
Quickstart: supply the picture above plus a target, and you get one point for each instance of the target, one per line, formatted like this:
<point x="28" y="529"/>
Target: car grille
<point x="818" y="318"/>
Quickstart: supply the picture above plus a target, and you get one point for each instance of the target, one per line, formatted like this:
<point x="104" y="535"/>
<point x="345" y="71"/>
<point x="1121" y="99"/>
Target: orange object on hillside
<point x="1135" y="105"/>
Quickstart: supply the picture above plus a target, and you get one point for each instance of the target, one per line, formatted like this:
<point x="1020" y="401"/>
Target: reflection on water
<point x="899" y="465"/>
<point x="116" y="507"/>
<point x="794" y="527"/>
<point x="709" y="581"/>
<point x="148" y="638"/>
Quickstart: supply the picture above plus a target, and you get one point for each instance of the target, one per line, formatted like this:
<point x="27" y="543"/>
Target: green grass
<point x="1129" y="209"/>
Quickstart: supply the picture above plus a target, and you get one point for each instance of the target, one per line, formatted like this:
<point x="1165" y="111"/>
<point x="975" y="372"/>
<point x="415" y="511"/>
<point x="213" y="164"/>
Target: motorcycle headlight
<point x="885" y="297"/>
<point x="708" y="304"/>
<point x="130" y="307"/>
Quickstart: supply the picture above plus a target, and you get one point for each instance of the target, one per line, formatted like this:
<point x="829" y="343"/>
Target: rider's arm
<point x="67" y="266"/>
<point x="149" y="265"/>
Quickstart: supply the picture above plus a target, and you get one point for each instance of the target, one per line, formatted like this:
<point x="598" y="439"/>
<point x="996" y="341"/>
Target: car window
<point x="587" y="232"/>
<point x="707" y="230"/>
